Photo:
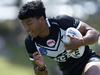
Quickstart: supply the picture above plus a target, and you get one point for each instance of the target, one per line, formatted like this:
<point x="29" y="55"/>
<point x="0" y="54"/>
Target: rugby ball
<point x="72" y="32"/>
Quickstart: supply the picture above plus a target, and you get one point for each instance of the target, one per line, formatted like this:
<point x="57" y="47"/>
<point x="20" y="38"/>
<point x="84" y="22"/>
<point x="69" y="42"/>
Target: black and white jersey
<point x="52" y="45"/>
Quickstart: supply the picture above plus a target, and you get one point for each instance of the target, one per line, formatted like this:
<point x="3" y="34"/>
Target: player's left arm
<point x="90" y="34"/>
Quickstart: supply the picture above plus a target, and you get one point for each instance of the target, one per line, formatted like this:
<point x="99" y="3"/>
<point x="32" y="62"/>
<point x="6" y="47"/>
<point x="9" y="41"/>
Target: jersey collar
<point x="48" y="22"/>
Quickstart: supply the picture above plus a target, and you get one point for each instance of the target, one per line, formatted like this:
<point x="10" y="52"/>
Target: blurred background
<point x="13" y="56"/>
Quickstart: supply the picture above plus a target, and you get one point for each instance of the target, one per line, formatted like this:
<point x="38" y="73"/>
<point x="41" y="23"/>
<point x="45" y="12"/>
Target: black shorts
<point x="76" y="66"/>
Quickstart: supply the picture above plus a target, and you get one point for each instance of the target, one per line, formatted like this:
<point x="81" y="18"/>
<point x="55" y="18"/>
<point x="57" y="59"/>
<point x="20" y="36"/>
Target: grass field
<point x="7" y="68"/>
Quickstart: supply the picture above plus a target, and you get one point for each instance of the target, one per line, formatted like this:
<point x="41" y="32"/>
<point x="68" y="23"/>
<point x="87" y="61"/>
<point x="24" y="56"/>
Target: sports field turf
<point x="7" y="68"/>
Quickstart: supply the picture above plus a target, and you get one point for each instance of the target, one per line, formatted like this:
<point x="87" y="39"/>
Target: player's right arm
<point x="36" y="58"/>
<point x="39" y="65"/>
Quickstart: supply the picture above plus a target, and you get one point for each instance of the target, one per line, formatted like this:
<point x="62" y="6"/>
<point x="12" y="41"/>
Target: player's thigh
<point x="92" y="68"/>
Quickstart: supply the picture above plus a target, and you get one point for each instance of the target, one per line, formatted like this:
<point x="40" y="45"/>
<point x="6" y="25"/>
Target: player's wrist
<point x="42" y="68"/>
<point x="82" y="42"/>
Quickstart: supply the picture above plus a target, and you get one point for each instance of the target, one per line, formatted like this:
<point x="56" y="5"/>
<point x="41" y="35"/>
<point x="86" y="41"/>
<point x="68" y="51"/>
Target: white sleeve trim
<point x="79" y="25"/>
<point x="48" y="22"/>
<point x="31" y="59"/>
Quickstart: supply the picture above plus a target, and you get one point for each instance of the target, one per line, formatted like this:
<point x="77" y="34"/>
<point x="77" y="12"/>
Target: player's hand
<point x="74" y="44"/>
<point x="38" y="59"/>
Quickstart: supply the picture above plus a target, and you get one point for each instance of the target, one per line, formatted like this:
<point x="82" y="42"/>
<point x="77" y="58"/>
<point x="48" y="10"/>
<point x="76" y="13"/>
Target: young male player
<point x="45" y="38"/>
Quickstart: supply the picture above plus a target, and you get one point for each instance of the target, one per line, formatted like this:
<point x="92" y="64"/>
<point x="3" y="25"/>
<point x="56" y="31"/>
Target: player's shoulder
<point x="62" y="17"/>
<point x="64" y="21"/>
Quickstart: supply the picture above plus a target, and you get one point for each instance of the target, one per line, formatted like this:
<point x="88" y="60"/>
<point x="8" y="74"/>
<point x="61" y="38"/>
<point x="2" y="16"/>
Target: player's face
<point x="32" y="26"/>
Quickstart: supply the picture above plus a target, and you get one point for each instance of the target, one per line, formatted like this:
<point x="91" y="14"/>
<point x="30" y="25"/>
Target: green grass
<point x="7" y="68"/>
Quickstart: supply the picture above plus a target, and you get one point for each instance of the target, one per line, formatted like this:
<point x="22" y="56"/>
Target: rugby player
<point x="45" y="38"/>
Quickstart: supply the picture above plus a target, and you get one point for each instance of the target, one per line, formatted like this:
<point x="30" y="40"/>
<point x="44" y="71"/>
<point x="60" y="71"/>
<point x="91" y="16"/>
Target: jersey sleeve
<point x="67" y="21"/>
<point x="30" y="47"/>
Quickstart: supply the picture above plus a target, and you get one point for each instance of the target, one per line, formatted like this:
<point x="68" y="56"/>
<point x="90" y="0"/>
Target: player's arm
<point x="35" y="57"/>
<point x="90" y="34"/>
<point x="39" y="65"/>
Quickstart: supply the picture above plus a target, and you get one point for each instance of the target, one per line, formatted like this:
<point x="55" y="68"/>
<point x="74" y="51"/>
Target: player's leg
<point x="92" y="68"/>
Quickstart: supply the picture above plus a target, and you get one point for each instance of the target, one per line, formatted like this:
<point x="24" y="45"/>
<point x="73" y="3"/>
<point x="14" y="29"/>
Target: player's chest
<point x="52" y="45"/>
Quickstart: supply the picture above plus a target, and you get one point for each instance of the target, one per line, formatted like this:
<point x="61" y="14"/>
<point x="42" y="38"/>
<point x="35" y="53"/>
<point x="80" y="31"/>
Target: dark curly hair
<point x="32" y="9"/>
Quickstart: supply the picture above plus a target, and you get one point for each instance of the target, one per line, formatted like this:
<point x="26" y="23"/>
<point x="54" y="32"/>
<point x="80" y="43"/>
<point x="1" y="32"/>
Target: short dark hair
<point x="32" y="9"/>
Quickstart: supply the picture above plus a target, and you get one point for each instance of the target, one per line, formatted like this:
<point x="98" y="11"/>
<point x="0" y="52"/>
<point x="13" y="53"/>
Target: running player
<point x="45" y="38"/>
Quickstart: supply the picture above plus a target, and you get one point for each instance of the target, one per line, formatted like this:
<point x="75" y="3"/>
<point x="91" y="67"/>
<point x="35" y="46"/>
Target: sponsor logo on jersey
<point x="62" y="57"/>
<point x="43" y="51"/>
<point x="51" y="42"/>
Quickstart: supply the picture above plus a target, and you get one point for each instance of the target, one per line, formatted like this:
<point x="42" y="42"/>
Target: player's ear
<point x="41" y="19"/>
